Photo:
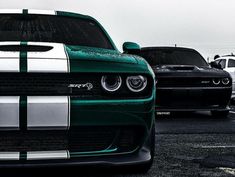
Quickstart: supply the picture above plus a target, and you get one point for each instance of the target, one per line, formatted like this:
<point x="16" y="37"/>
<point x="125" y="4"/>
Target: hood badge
<point x="88" y="86"/>
<point x="205" y="82"/>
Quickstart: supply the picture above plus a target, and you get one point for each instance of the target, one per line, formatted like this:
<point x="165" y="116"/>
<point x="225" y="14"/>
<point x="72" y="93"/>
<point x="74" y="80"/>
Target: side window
<point x="222" y="62"/>
<point x="231" y="63"/>
<point x="217" y="61"/>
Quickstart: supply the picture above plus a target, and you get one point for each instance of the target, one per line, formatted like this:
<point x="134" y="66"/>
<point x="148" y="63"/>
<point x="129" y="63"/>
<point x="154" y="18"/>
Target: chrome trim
<point x="48" y="155"/>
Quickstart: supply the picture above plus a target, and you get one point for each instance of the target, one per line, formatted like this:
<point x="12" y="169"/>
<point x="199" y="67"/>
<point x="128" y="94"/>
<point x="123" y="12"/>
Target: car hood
<point x="79" y="58"/>
<point x="188" y="71"/>
<point x="98" y="55"/>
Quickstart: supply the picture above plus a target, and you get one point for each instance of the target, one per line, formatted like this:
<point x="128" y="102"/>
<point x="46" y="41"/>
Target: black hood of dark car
<point x="188" y="71"/>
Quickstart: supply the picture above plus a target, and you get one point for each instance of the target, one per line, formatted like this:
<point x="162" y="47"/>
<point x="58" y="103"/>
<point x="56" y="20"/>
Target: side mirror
<point x="130" y="47"/>
<point x="215" y="65"/>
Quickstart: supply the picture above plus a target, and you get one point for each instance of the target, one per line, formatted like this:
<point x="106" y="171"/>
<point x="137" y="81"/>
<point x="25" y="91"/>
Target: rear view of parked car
<point x="186" y="82"/>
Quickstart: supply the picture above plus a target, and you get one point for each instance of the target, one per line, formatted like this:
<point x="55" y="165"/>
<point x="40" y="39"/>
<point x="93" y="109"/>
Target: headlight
<point x="216" y="81"/>
<point x="136" y="83"/>
<point x="111" y="83"/>
<point x="225" y="81"/>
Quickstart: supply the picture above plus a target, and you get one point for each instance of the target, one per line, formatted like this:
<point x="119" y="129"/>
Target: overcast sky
<point x="206" y="25"/>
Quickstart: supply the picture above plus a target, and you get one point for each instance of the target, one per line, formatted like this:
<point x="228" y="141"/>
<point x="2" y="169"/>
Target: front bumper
<point x="121" y="116"/>
<point x="140" y="157"/>
<point x="193" y="98"/>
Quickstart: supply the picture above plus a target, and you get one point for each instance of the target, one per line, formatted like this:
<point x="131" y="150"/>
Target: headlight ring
<point x="226" y="81"/>
<point x="111" y="83"/>
<point x="136" y="83"/>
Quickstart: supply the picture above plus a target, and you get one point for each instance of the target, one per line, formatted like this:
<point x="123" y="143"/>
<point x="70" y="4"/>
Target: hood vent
<point x="22" y="48"/>
<point x="181" y="68"/>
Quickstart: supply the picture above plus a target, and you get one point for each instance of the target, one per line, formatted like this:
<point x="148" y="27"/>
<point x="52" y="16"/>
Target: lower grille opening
<point x="75" y="140"/>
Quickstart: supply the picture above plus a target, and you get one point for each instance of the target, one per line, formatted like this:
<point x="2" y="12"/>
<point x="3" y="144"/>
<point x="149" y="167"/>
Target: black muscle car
<point x="186" y="82"/>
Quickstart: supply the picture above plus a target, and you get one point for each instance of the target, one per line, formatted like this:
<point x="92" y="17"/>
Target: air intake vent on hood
<point x="187" y="68"/>
<point x="22" y="48"/>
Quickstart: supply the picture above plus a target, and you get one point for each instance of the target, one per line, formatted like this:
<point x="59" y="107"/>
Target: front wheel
<point x="220" y="114"/>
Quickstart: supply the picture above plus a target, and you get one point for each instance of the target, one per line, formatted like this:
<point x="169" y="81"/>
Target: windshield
<point x="173" y="57"/>
<point x="49" y="28"/>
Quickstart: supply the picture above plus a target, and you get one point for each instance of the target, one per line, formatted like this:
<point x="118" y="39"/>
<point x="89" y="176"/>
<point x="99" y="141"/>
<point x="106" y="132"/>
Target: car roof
<point x="44" y="12"/>
<point x="167" y="48"/>
<point x="226" y="57"/>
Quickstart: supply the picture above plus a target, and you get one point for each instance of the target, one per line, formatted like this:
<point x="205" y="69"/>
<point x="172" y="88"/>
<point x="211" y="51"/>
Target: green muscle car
<point x="69" y="97"/>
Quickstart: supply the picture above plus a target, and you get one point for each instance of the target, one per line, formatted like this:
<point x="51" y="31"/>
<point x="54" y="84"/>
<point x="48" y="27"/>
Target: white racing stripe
<point x="45" y="112"/>
<point x="48" y="155"/>
<point x="9" y="156"/>
<point x="54" y="60"/>
<point x="48" y="112"/>
<point x="11" y="11"/>
<point x="9" y="112"/>
<point x="43" y="12"/>
<point x="9" y="61"/>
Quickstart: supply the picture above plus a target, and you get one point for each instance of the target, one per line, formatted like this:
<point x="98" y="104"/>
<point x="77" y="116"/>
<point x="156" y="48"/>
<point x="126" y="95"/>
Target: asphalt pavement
<point x="187" y="145"/>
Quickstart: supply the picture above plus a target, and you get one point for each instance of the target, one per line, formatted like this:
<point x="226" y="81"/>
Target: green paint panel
<point x="23" y="59"/>
<point x="25" y="11"/>
<point x="87" y="59"/>
<point x="23" y="112"/>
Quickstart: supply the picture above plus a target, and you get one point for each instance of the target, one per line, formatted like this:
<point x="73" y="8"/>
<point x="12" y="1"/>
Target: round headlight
<point x="111" y="83"/>
<point x="216" y="81"/>
<point x="225" y="81"/>
<point x="136" y="83"/>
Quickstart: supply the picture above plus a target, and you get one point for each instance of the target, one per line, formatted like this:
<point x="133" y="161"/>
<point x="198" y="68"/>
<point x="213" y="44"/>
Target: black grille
<point x="46" y="84"/>
<point x="185" y="82"/>
<point x="59" y="84"/>
<point x="77" y="140"/>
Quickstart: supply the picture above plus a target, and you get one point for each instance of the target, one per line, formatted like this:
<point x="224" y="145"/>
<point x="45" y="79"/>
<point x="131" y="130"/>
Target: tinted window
<point x="222" y="62"/>
<point x="231" y="63"/>
<point x="48" y="28"/>
<point x="173" y="57"/>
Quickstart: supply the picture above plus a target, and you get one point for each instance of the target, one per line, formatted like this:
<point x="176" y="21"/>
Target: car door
<point x="231" y="70"/>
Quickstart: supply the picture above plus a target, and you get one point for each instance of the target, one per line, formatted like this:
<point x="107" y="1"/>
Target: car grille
<point x="77" y="140"/>
<point x="46" y="84"/>
<point x="58" y="84"/>
<point x="185" y="82"/>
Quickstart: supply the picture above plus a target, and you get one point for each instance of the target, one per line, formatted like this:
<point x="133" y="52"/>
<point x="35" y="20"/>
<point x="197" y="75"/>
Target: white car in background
<point x="227" y="63"/>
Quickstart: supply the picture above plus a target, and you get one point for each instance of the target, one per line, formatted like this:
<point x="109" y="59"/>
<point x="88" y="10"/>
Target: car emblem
<point x="89" y="86"/>
<point x="205" y="82"/>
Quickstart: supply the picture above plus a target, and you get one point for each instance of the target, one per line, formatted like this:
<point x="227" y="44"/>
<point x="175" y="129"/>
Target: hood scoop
<point x="180" y="67"/>
<point x="23" y="48"/>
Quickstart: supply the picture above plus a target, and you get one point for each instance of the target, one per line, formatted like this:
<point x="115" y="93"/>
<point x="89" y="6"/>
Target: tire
<point x="144" y="168"/>
<point x="220" y="114"/>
